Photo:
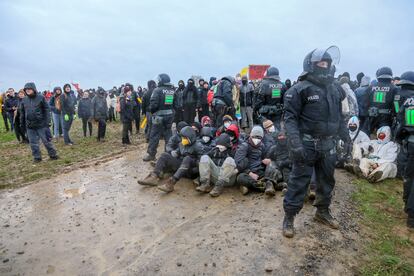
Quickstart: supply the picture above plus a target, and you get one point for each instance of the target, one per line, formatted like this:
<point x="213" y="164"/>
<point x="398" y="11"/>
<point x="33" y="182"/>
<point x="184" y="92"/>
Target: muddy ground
<point x="98" y="220"/>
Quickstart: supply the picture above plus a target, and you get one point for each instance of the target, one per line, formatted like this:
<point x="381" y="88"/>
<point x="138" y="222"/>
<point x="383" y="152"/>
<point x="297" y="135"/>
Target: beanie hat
<point x="223" y="140"/>
<point x="267" y="124"/>
<point x="257" y="131"/>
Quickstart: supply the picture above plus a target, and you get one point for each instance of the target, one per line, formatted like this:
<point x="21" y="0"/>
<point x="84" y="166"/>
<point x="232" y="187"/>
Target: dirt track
<point x="113" y="226"/>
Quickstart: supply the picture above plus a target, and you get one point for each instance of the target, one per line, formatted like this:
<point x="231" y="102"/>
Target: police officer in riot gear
<point x="162" y="105"/>
<point x="405" y="137"/>
<point x="313" y="117"/>
<point x="223" y="100"/>
<point x="381" y="97"/>
<point x="269" y="102"/>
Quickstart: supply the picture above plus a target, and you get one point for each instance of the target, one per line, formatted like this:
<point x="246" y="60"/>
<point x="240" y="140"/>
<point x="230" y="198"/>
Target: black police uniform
<point x="269" y="102"/>
<point x="313" y="116"/>
<point x="381" y="100"/>
<point x="162" y="110"/>
<point x="405" y="137"/>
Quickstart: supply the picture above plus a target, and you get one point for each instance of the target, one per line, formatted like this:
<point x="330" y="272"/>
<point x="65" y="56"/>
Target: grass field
<point x="16" y="163"/>
<point x="389" y="247"/>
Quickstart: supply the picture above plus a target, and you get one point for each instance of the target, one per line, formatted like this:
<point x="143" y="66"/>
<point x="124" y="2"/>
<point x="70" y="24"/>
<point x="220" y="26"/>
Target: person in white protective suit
<point x="378" y="157"/>
<point x="357" y="137"/>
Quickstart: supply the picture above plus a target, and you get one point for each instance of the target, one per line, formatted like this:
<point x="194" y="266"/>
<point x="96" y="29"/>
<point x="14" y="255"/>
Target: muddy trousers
<point x="389" y="170"/>
<point x="408" y="176"/>
<point x="323" y="160"/>
<point x="101" y="129"/>
<point x="213" y="174"/>
<point x="86" y="124"/>
<point x="273" y="173"/>
<point x="244" y="179"/>
<point x="246" y="113"/>
<point x="126" y="128"/>
<point x="159" y="127"/>
<point x="34" y="136"/>
<point x="20" y="132"/>
<point x="180" y="167"/>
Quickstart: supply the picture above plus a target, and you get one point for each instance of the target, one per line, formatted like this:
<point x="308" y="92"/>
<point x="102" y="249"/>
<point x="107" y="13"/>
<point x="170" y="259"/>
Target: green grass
<point x="389" y="249"/>
<point x="5" y="136"/>
<point x="16" y="162"/>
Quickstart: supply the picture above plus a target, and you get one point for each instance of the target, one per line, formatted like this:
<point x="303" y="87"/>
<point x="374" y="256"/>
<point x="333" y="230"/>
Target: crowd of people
<point x="263" y="136"/>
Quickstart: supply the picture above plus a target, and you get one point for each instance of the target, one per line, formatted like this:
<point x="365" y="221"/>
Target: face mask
<point x="185" y="141"/>
<point x="244" y="82"/>
<point x="221" y="148"/>
<point x="381" y="136"/>
<point x="352" y="128"/>
<point x="227" y="124"/>
<point x="206" y="139"/>
<point x="256" y="141"/>
<point x="271" y="129"/>
<point x="181" y="85"/>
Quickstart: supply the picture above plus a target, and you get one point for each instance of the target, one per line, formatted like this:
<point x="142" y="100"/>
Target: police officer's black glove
<point x="298" y="153"/>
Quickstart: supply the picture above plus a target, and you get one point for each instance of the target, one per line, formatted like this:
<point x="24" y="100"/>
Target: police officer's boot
<point x="410" y="222"/>
<point x="288" y="228"/>
<point x="269" y="189"/>
<point x="218" y="189"/>
<point x="148" y="158"/>
<point x="151" y="179"/>
<point x="204" y="188"/>
<point x="169" y="186"/>
<point x="324" y="216"/>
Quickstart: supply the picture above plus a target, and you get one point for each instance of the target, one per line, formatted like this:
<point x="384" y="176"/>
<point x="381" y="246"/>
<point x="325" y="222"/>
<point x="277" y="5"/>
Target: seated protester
<point x="234" y="133"/>
<point x="206" y="122"/>
<point x="207" y="138"/>
<point x="227" y="121"/>
<point x="358" y="136"/>
<point x="182" y="162"/>
<point x="378" y="157"/>
<point x="175" y="140"/>
<point x="197" y="127"/>
<point x="217" y="167"/>
<point x="280" y="166"/>
<point x="251" y="163"/>
<point x="270" y="135"/>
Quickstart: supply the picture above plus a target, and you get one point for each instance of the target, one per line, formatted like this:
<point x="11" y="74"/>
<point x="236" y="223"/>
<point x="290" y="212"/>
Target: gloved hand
<point x="66" y="117"/>
<point x="298" y="153"/>
<point x="174" y="154"/>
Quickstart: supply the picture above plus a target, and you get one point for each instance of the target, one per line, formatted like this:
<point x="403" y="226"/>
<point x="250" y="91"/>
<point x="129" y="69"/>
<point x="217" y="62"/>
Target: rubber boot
<point x="288" y="225"/>
<point x="269" y="189"/>
<point x="150" y="180"/>
<point x="410" y="223"/>
<point x="324" y="216"/>
<point x="169" y="186"/>
<point x="312" y="191"/>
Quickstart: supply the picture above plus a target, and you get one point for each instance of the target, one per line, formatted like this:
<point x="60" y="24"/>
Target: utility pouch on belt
<point x="373" y="112"/>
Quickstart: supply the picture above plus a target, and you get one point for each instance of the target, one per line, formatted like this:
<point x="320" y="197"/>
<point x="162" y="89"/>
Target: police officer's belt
<point x="164" y="112"/>
<point x="410" y="139"/>
<point x="310" y="138"/>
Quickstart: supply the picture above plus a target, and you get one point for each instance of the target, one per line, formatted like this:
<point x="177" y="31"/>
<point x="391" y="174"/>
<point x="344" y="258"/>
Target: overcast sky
<point x="106" y="43"/>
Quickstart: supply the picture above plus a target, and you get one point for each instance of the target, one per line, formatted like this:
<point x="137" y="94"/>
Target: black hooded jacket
<point x="190" y="95"/>
<point x="35" y="111"/>
<point x="225" y="91"/>
<point x="147" y="96"/>
<point x="195" y="149"/>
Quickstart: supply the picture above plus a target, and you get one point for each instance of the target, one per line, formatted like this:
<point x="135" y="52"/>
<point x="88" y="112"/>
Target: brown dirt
<point x="98" y="220"/>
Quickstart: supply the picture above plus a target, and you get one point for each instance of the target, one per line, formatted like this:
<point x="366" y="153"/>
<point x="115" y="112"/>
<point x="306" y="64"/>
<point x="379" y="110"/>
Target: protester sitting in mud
<point x="182" y="162"/>
<point x="207" y="138"/>
<point x="358" y="136"/>
<point x="227" y="121"/>
<point x="377" y="158"/>
<point x="251" y="163"/>
<point x="217" y="167"/>
<point x="175" y="140"/>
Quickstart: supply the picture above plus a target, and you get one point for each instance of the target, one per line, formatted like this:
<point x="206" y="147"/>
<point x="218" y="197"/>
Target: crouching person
<point x="217" y="167"/>
<point x="379" y="156"/>
<point x="251" y="163"/>
<point x="182" y="162"/>
<point x="35" y="113"/>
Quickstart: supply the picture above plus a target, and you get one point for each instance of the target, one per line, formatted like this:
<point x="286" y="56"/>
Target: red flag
<point x="76" y="85"/>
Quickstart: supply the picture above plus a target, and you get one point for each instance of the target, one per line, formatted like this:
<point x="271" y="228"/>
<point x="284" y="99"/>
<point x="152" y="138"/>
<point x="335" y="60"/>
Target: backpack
<point x="210" y="94"/>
